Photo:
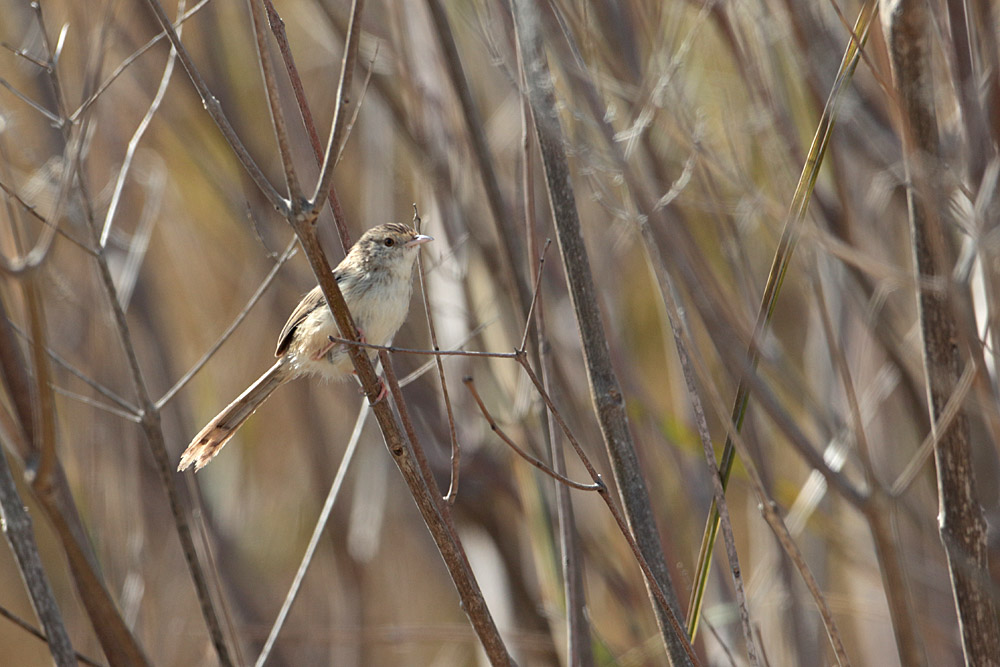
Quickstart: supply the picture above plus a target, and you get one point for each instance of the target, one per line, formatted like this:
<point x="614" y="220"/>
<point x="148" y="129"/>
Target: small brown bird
<point x="376" y="280"/>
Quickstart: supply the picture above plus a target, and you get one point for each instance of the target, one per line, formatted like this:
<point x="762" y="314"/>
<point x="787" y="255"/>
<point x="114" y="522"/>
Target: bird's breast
<point x="379" y="307"/>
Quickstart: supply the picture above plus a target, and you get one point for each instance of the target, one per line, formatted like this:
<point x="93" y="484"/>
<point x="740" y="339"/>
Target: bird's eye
<point x="389" y="242"/>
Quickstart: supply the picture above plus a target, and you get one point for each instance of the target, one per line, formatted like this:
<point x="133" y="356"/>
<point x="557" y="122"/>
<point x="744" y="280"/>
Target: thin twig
<point x="33" y="211"/>
<point x="456" y="449"/>
<point x="414" y="375"/>
<point x="53" y="118"/>
<point x="471" y="386"/>
<point x="124" y="405"/>
<point x="430" y="353"/>
<point x="290" y="250"/>
<point x="32" y="630"/>
<point x="534" y="294"/>
<point x="52" y="60"/>
<point x="34" y="258"/>
<point x="318" y="530"/>
<point x="104" y="407"/>
<point x="131" y="59"/>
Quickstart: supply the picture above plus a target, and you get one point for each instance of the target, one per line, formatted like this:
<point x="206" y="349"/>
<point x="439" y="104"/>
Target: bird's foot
<point x="323" y="351"/>
<point x="383" y="391"/>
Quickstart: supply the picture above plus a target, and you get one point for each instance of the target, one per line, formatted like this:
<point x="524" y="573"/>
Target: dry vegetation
<point x="133" y="238"/>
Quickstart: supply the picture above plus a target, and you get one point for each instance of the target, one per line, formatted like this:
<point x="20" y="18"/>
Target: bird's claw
<point x="383" y="391"/>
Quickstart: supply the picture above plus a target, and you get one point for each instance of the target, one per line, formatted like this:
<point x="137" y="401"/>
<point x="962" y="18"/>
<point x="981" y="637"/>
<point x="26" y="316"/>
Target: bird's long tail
<point x="217" y="432"/>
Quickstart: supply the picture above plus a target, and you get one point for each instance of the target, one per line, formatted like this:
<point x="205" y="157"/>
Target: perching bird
<point x="376" y="280"/>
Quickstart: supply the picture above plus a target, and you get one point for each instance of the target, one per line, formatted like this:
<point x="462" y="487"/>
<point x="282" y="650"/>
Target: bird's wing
<point x="310" y="302"/>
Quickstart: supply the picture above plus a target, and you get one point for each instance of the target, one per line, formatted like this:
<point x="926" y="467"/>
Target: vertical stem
<point x="907" y="27"/>
<point x="605" y="391"/>
<point x="578" y="644"/>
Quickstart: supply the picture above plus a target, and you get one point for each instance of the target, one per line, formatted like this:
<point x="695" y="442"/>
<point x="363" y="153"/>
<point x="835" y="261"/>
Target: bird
<point x="376" y="280"/>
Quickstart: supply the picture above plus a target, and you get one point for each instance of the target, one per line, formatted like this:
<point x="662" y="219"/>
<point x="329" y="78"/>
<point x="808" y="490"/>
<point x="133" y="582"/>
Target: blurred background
<point x="692" y="117"/>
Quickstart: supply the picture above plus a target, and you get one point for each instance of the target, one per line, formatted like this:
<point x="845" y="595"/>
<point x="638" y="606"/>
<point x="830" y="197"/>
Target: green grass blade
<point x="775" y="278"/>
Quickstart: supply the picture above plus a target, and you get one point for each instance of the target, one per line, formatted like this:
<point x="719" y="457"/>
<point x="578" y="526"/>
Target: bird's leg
<point x="382" y="389"/>
<point x="329" y="346"/>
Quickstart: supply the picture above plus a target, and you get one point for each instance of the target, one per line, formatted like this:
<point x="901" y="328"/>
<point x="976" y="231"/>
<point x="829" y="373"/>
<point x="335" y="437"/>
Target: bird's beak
<point x="417" y="240"/>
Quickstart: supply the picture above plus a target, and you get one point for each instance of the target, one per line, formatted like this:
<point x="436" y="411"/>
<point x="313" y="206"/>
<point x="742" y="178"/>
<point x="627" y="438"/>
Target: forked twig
<point x="325" y="181"/>
<point x="214" y="110"/>
<point x="274" y="104"/>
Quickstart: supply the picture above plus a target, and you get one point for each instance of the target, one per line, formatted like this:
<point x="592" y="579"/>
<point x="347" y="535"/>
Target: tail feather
<point x="217" y="432"/>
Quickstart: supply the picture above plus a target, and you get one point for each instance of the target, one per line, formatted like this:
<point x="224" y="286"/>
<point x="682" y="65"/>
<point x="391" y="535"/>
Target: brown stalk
<point x="605" y="390"/>
<point x="434" y="510"/>
<point x="908" y="28"/>
<point x="579" y="650"/>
